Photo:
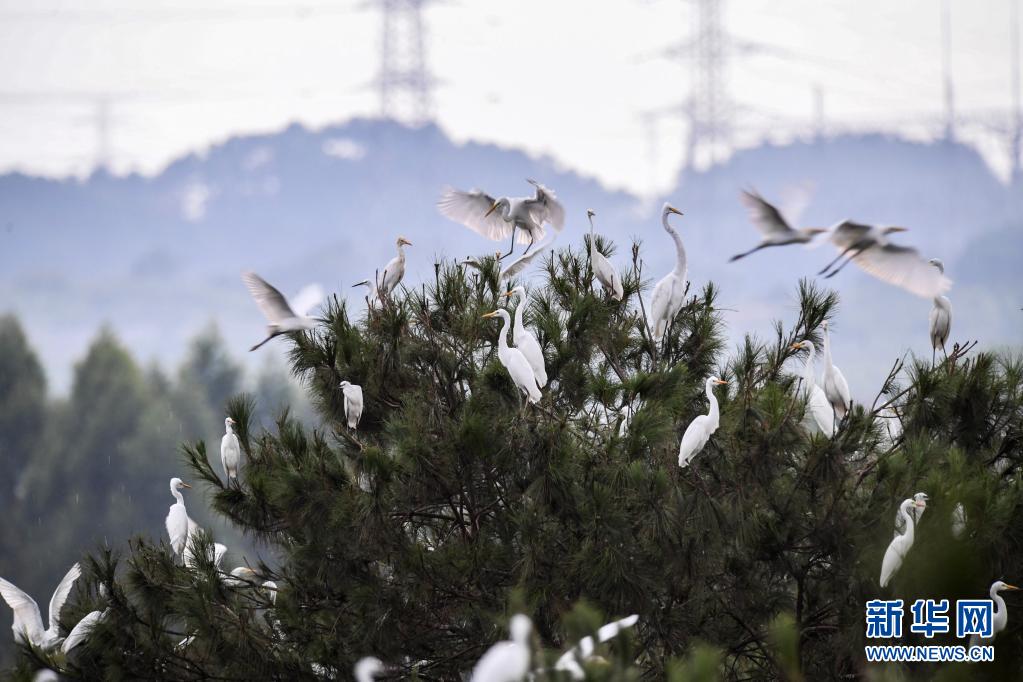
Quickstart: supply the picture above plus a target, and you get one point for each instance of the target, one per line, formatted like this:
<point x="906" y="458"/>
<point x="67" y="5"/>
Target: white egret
<point x="836" y="389"/>
<point x="498" y="218"/>
<point x="915" y="512"/>
<point x="669" y="294"/>
<point x="958" y="521"/>
<point x="179" y="525"/>
<point x="28" y="624"/>
<point x="241" y="576"/>
<point x="902" y="266"/>
<point x="45" y="675"/>
<point x="366" y="669"/>
<point x="774" y="229"/>
<point x="506" y="661"/>
<point x="230" y="451"/>
<point x="571" y="660"/>
<point x="526" y="259"/>
<point x="271" y="591"/>
<point x="602" y="268"/>
<point x="820" y="416"/>
<point x="393" y="272"/>
<point x="353" y="403"/>
<point x="282" y="317"/>
<point x="525" y="339"/>
<point x="80" y="632"/>
<point x="702" y="428"/>
<point x="514" y="361"/>
<point x="1001" y="616"/>
<point x="940" y="318"/>
<point x="900" y="546"/>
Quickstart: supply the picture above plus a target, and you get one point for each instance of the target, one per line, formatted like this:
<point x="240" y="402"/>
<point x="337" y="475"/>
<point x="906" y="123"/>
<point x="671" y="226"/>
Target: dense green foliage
<point x="454" y="505"/>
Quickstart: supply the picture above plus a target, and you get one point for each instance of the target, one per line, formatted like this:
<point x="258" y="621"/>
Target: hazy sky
<point x="567" y="79"/>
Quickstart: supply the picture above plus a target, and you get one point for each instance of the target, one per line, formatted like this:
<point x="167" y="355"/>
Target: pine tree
<point x="455" y="504"/>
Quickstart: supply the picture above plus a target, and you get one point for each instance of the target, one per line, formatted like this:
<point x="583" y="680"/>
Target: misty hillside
<point x="159" y="257"/>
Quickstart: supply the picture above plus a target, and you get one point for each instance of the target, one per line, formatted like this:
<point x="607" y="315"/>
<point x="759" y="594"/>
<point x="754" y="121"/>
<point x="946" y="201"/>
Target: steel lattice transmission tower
<point x="404" y="81"/>
<point x="710" y="106"/>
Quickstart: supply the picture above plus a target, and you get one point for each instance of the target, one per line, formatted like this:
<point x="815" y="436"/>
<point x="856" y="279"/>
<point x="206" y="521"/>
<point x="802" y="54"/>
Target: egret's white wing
<point x="612" y="629"/>
<point x="545" y="207"/>
<point x="219" y="551"/>
<point x="308" y="298"/>
<point x="272" y="302"/>
<point x="522" y="262"/>
<point x="177" y="527"/>
<point x="27" y="618"/>
<point x="469" y="209"/>
<point x="84" y="628"/>
<point x="766" y="218"/>
<point x="61" y="593"/>
<point x="848" y="233"/>
<point x="903" y="267"/>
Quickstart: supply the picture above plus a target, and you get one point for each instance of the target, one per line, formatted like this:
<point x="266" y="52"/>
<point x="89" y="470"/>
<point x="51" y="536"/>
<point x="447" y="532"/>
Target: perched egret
<point x="372" y="293"/>
<point x="241" y="576"/>
<point x="28" y="621"/>
<point x="514" y="361"/>
<point x="958" y="521"/>
<point x="774" y="229"/>
<point x="353" y="403"/>
<point x="1001" y="616"/>
<point x="230" y="451"/>
<point x="900" y="546"/>
<point x="525" y="339"/>
<point x="179" y="525"/>
<point x="940" y="317"/>
<point x="571" y="660"/>
<point x="602" y="268"/>
<point x="392" y="274"/>
<point x="498" y="218"/>
<point x="836" y="389"/>
<point x="820" y="415"/>
<point x="366" y="669"/>
<point x="526" y="259"/>
<point x="916" y="513"/>
<point x="702" y="428"/>
<point x="902" y="266"/>
<point x="283" y="318"/>
<point x="80" y="632"/>
<point x="669" y="294"/>
<point x="506" y="661"/>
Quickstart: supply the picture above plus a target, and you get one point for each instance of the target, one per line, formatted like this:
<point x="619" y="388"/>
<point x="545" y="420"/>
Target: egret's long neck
<point x="910" y="524"/>
<point x="827" y="350"/>
<point x="401" y="251"/>
<point x="808" y="377"/>
<point x="502" y="339"/>
<point x="1001" y="617"/>
<point x="591" y="237"/>
<point x="519" y="305"/>
<point x="230" y="428"/>
<point x="714" y="414"/>
<point x="505" y="205"/>
<point x="680" y="249"/>
<point x="177" y="495"/>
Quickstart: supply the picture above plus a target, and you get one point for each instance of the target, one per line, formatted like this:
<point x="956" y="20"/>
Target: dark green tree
<point x="454" y="504"/>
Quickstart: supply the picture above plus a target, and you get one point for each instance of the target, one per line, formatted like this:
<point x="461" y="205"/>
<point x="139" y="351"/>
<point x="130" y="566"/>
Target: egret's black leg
<point x="512" y="247"/>
<point x="847" y="261"/>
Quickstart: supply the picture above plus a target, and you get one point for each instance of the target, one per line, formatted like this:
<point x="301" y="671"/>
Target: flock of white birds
<point x="526" y="219"/>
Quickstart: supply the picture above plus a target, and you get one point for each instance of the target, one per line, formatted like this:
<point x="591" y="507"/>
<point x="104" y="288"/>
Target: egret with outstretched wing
<point x="773" y="228"/>
<point x="281" y="317"/>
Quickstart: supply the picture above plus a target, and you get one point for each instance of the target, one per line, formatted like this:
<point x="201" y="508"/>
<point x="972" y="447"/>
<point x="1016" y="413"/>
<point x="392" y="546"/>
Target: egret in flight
<point x="602" y="268"/>
<point x="525" y="260"/>
<point x="497" y="218"/>
<point x="1001" y="616"/>
<point x="80" y="632"/>
<point x="28" y="624"/>
<point x="773" y="228"/>
<point x="702" y="428"/>
<point x="669" y="294"/>
<point x="282" y="317"/>
<point x="230" y="451"/>
<point x="525" y="339"/>
<point x="353" y="403"/>
<point x="836" y="389"/>
<point x="514" y="361"/>
<point x="507" y="661"/>
<point x="820" y="415"/>
<point x="940" y="318"/>
<point x="899" y="547"/>
<point x="572" y="659"/>
<point x="902" y="266"/>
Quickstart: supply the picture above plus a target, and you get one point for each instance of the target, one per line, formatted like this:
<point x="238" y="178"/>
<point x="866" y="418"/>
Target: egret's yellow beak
<point x="672" y="209"/>
<point x="404" y="241"/>
<point x="898" y="229"/>
<point x="491" y="209"/>
<point x="1010" y="587"/>
<point x="185" y="485"/>
<point x="492" y="314"/>
<point x="719" y="382"/>
<point x="508" y="295"/>
<point x="796" y="346"/>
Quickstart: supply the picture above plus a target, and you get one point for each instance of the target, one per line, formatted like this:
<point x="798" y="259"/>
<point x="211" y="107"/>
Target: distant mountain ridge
<point x="159" y="257"/>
